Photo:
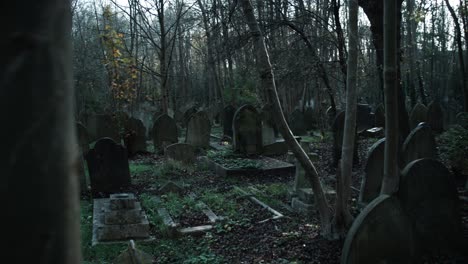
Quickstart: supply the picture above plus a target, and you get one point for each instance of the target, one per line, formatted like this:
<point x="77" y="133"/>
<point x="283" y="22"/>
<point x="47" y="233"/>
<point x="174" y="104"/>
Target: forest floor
<point x="248" y="233"/>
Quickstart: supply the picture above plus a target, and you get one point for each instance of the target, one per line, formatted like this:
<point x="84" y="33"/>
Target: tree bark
<point x="268" y="84"/>
<point x="391" y="173"/>
<point x="39" y="159"/>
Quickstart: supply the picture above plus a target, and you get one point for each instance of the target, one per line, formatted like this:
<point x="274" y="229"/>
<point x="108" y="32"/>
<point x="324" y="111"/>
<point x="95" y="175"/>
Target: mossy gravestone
<point x="420" y="143"/>
<point x="108" y="167"/>
<point x="418" y="115"/>
<point x="135" y="136"/>
<point x="428" y="195"/>
<point x="187" y="114"/>
<point x="435" y="117"/>
<point x="373" y="173"/>
<point x="247" y="130"/>
<point x="228" y="115"/>
<point x="381" y="233"/>
<point x="164" y="132"/>
<point x="198" y="130"/>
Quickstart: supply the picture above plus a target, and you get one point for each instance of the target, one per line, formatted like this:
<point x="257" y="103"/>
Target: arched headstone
<point x="164" y="132"/>
<point x="381" y="233"/>
<point x="428" y="195"/>
<point x="373" y="173"/>
<point x="228" y="115"/>
<point x="198" y="130"/>
<point x="420" y="143"/>
<point x="135" y="136"/>
<point x="435" y="117"/>
<point x="247" y="130"/>
<point x="418" y="115"/>
<point x="108" y="167"/>
<point x="297" y="123"/>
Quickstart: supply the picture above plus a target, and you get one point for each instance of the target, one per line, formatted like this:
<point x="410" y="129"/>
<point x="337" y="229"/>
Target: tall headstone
<point x="418" y="115"/>
<point x="379" y="116"/>
<point x="108" y="167"/>
<point x="180" y="152"/>
<point x="199" y="130"/>
<point x="381" y="233"/>
<point x="247" y="131"/>
<point x="435" y="117"/>
<point x="297" y="123"/>
<point x="164" y="132"/>
<point x="228" y="115"/>
<point x="420" y="143"/>
<point x="135" y="136"/>
<point x="338" y="133"/>
<point x="373" y="173"/>
<point x="428" y="195"/>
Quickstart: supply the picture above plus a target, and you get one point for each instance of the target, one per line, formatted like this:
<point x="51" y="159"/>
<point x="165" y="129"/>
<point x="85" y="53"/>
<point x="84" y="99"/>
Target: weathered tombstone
<point x="187" y="114"/>
<point x="135" y="136"/>
<point x="178" y="115"/>
<point x="268" y="129"/>
<point x="198" y="130"/>
<point x="297" y="123"/>
<point x="381" y="233"/>
<point x="247" y="131"/>
<point x="103" y="125"/>
<point x="108" y="167"/>
<point x="435" y="117"/>
<point x="228" y="115"/>
<point x="373" y="173"/>
<point x="462" y="119"/>
<point x="364" y="118"/>
<point x="418" y="115"/>
<point x="310" y="119"/>
<point x="338" y="129"/>
<point x="132" y="255"/>
<point x="429" y="197"/>
<point x="420" y="143"/>
<point x="379" y="116"/>
<point x="180" y="152"/>
<point x="164" y="132"/>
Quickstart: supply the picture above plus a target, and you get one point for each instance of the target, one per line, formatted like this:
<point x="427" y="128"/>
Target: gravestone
<point x="379" y="116"/>
<point x="108" y="167"/>
<point x="187" y="114"/>
<point x="228" y="115"/>
<point x="268" y="125"/>
<point x="331" y="115"/>
<point x="373" y="173"/>
<point x="435" y="117"/>
<point x="164" y="132"/>
<point x="276" y="148"/>
<point x="310" y="119"/>
<point x="462" y="119"/>
<point x="297" y="123"/>
<point x="198" y="130"/>
<point x="420" y="143"/>
<point x="247" y="131"/>
<point x="338" y="130"/>
<point x="381" y="233"/>
<point x="135" y="136"/>
<point x="364" y="118"/>
<point x="428" y="195"/>
<point x="180" y="152"/>
<point x="418" y="115"/>
<point x="103" y="125"/>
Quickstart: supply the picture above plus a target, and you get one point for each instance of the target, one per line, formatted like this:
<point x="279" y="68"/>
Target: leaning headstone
<point x="418" y="115"/>
<point x="164" y="132"/>
<point x="228" y="115"/>
<point x="338" y="133"/>
<point x="180" y="152"/>
<point x="420" y="143"/>
<point x="381" y="233"/>
<point x="462" y="119"/>
<point x="435" y="117"/>
<point x="104" y="125"/>
<point x="428" y="195"/>
<point x="247" y="131"/>
<point x="198" y="130"/>
<point x="108" y="167"/>
<point x="297" y="123"/>
<point x="373" y="173"/>
<point x="379" y="116"/>
<point x="135" y="136"/>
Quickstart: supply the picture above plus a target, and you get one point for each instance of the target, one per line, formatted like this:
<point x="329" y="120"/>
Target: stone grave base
<point x="269" y="165"/>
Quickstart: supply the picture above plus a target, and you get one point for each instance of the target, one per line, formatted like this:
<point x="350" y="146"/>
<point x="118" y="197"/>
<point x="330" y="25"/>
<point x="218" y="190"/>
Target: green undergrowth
<point x="231" y="160"/>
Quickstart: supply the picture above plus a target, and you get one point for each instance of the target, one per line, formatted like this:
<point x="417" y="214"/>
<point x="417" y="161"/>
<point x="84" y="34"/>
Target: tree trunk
<point x="40" y="157"/>
<point x="268" y="84"/>
<point x="343" y="217"/>
<point x="391" y="173"/>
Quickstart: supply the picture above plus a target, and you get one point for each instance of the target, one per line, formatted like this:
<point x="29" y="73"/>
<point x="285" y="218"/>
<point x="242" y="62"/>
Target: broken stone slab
<point x="307" y="194"/>
<point x="257" y="201"/>
<point x="301" y="207"/>
<point x="132" y="255"/>
<point x="206" y="210"/>
<point x="195" y="230"/>
<point x="373" y="132"/>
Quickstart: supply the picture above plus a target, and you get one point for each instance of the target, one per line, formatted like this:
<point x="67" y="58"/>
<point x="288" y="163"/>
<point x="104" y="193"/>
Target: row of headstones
<point x="421" y="218"/>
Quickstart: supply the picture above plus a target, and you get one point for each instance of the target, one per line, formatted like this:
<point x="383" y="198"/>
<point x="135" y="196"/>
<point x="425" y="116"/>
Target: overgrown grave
<point x="274" y="213"/>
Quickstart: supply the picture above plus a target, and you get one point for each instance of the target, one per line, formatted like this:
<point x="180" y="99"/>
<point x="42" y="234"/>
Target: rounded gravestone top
<point x="373" y="172"/>
<point x="418" y="115"/>
<point x="420" y="143"/>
